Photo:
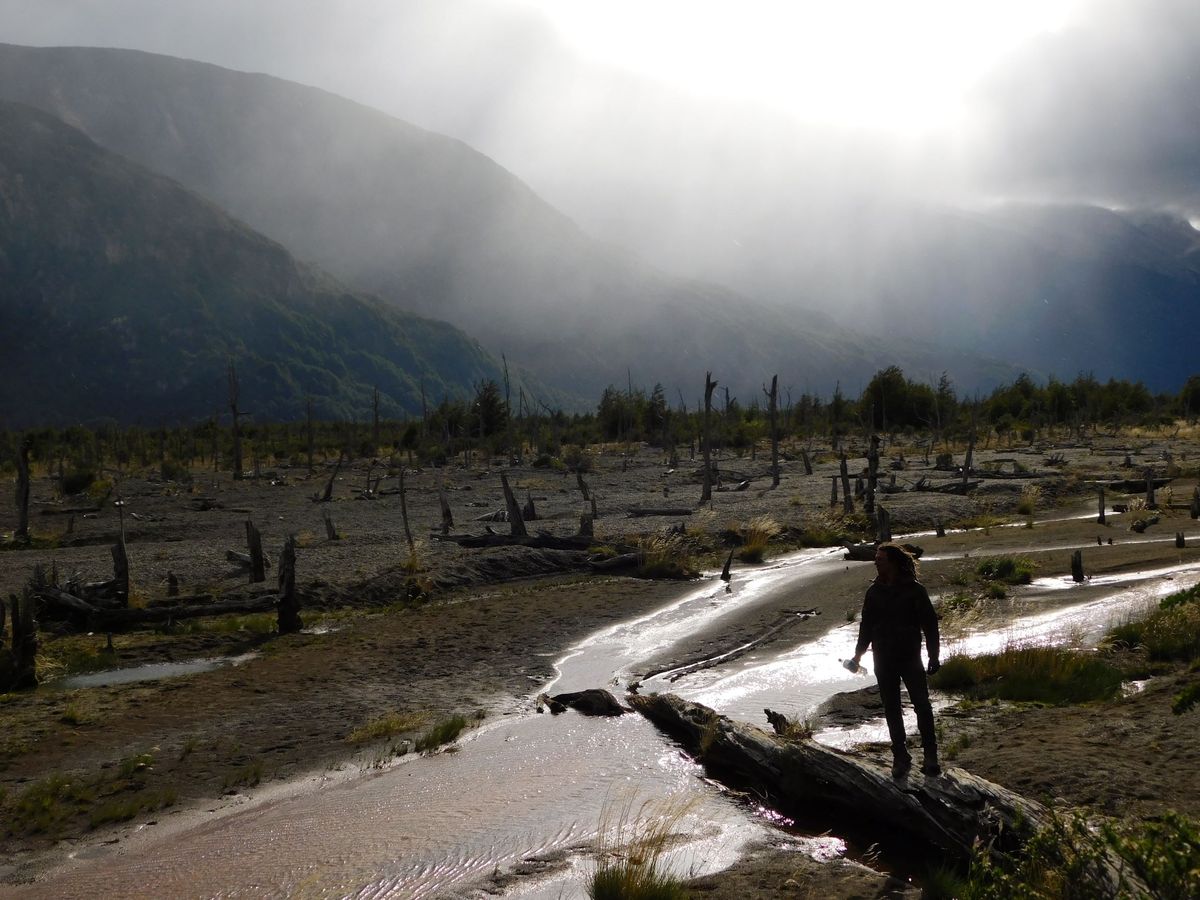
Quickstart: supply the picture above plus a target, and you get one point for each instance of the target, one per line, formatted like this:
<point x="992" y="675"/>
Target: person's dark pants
<point x="889" y="673"/>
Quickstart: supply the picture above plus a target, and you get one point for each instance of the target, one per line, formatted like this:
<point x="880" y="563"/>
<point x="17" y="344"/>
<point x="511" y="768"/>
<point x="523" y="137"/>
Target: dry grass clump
<point x="756" y="534"/>
<point x="1030" y="495"/>
<point x="1035" y="673"/>
<point x="665" y="556"/>
<point x="630" y="850"/>
<point x="386" y="726"/>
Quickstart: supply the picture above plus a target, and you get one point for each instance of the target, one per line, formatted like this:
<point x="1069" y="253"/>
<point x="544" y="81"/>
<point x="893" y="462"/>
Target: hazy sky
<point x="664" y="101"/>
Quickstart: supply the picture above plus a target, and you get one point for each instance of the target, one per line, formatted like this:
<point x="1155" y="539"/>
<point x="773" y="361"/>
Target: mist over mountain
<point x="434" y="226"/>
<point x="124" y="297"/>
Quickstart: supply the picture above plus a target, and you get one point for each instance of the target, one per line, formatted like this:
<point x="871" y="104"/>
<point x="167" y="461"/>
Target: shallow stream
<point x="529" y="789"/>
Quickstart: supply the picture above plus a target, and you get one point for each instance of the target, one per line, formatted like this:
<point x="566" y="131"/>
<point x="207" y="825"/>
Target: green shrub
<point x="173" y="470"/>
<point x="1008" y="569"/>
<point x="1186" y="699"/>
<point x="1051" y="675"/>
<point x="78" y="479"/>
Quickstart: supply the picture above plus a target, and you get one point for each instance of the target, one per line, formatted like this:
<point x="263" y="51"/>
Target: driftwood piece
<point x="866" y="552"/>
<point x="118" y="619"/>
<point x="671" y="511"/>
<point x="592" y="702"/>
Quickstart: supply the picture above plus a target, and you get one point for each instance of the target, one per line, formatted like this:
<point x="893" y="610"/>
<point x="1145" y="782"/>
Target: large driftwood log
<point x="944" y="814"/>
<point x="672" y="511"/>
<point x="947" y="816"/>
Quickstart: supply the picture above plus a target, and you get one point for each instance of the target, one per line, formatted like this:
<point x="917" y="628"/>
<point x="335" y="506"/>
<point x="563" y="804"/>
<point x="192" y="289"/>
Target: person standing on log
<point x="896" y="612"/>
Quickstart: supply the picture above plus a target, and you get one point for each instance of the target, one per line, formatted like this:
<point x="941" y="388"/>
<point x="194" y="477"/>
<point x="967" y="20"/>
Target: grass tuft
<point x="1170" y="632"/>
<point x="444" y="732"/>
<point x="665" y="556"/>
<point x="630" y="851"/>
<point x="1006" y="569"/>
<point x="756" y="534"/>
<point x="386" y="726"/>
<point x="1042" y="674"/>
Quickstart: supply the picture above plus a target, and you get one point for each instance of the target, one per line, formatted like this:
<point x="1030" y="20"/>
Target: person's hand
<point x="934" y="665"/>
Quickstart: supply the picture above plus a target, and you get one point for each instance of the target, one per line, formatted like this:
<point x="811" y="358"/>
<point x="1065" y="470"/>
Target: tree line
<point x="490" y="423"/>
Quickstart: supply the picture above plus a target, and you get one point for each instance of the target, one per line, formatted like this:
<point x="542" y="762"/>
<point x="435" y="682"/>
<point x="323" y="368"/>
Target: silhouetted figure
<point x="896" y="612"/>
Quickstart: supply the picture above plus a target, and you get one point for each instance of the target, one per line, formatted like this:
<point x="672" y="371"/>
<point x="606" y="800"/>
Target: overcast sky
<point x="663" y="101"/>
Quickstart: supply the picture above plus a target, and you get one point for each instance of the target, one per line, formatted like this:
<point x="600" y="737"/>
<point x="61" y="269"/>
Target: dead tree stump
<point x="772" y="410"/>
<point x="515" y="521"/>
<point x="709" y="387"/>
<point x="833" y="491"/>
<point x="1077" y="566"/>
<point x="121" y="573"/>
<point x="585" y="526"/>
<point x="939" y="528"/>
<point x="24" y="643"/>
<point x="22" y="532"/>
<point x="847" y="500"/>
<point x="1195" y="509"/>
<point x="447" y="518"/>
<point x="289" y="604"/>
<point x="258" y="568"/>
<point x="412" y="547"/>
<point x="330" y="530"/>
<point x="885" y="525"/>
<point x="872" y="473"/>
<point x="528" y="511"/>
<point x="1179" y="540"/>
<point x="1100" y="520"/>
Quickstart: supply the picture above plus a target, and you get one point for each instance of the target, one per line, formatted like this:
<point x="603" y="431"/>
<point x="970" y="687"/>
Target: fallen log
<point x="540" y="541"/>
<point x="638" y="512"/>
<point x="945" y="816"/>
<point x="118" y="619"/>
<point x="866" y="552"/>
<point x="615" y="563"/>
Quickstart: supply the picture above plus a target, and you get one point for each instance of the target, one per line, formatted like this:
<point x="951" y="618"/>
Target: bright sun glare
<point x="902" y="65"/>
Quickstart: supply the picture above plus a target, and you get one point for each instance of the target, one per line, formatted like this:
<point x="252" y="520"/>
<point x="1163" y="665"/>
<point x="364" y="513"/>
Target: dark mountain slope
<point x="124" y="296"/>
<point x="436" y="227"/>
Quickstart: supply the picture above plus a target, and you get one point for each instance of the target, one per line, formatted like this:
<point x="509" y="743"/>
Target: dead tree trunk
<point x="375" y="420"/>
<point x="1150" y="503"/>
<point x="447" y="518"/>
<point x="833" y="491"/>
<point x="709" y="387"/>
<point x="326" y="495"/>
<point x="22" y="532"/>
<point x="872" y="474"/>
<point x="772" y="415"/>
<point x="585" y="526"/>
<point x="583" y="488"/>
<point x="1100" y="519"/>
<point x="237" y="425"/>
<point x="24" y="643"/>
<point x="412" y="547"/>
<point x="258" y="568"/>
<point x="968" y="462"/>
<point x="308" y="431"/>
<point x="1077" y="566"/>
<point x="847" y="497"/>
<point x="515" y="521"/>
<point x="330" y="530"/>
<point x="885" y="525"/>
<point x="804" y="458"/>
<point x="288" y="616"/>
<point x="1195" y="510"/>
<point x="121" y="572"/>
<point x="1180" y="542"/>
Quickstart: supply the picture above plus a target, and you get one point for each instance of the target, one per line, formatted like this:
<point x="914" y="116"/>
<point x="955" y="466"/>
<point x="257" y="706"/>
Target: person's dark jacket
<point x="893" y="618"/>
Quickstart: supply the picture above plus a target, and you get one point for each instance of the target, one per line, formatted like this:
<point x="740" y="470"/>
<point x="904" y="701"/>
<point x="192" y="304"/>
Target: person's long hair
<point x="904" y="562"/>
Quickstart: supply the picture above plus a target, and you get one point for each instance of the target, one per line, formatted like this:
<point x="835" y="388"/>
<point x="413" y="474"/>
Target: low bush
<point x="1007" y="569"/>
<point x="1170" y="632"/>
<point x="1052" y="675"/>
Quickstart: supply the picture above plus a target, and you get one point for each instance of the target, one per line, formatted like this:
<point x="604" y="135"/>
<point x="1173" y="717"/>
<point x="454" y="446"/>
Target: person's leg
<point x="888" y="679"/>
<point x="918" y="692"/>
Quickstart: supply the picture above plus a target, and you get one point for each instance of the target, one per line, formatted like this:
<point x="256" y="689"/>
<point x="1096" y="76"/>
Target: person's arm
<point x="929" y="625"/>
<point x="865" y="625"/>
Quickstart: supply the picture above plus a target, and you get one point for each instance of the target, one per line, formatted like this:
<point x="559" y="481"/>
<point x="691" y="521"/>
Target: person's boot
<point x="929" y="766"/>
<point x="901" y="765"/>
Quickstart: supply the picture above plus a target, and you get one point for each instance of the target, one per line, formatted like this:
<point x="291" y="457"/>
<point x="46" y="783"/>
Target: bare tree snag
<point x="528" y="511"/>
<point x="412" y="547"/>
<point x="1180" y="542"/>
<point x="447" y="518"/>
<point x="326" y="495"/>
<point x="804" y="458"/>
<point x="24" y="643"/>
<point x="258" y="570"/>
<point x="121" y="572"/>
<point x="237" y="425"/>
<point x="1150" y="503"/>
<point x="1195" y="508"/>
<point x="709" y="387"/>
<point x="22" y="532"/>
<point x="515" y="521"/>
<point x="847" y="498"/>
<point x="375" y="420"/>
<point x="1100" y="519"/>
<point x="1077" y="566"/>
<point x="330" y="530"/>
<point x="885" y="525"/>
<point x="968" y="462"/>
<point x="585" y="526"/>
<point x="872" y="473"/>
<point x="583" y="488"/>
<point x="308" y="431"/>
<point x="833" y="491"/>
<point x="772" y="415"/>
<point x="288" y="604"/>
